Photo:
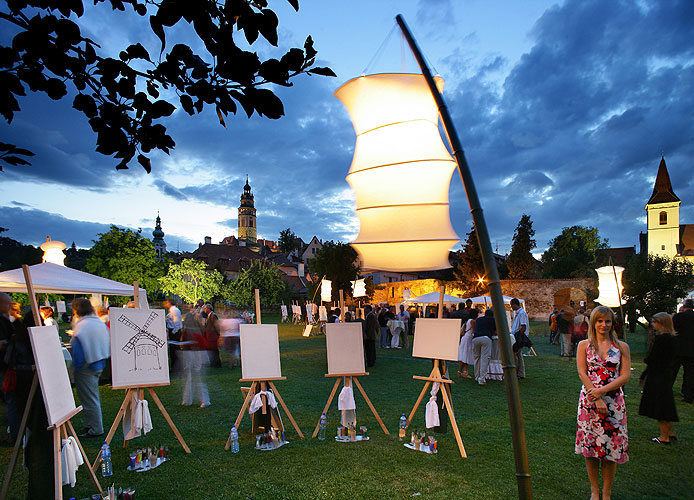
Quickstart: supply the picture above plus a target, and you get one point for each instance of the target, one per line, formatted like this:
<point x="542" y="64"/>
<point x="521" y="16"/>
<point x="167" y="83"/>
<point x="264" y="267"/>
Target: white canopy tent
<point x="52" y="278"/>
<point x="433" y="298"/>
<point x="486" y="301"/>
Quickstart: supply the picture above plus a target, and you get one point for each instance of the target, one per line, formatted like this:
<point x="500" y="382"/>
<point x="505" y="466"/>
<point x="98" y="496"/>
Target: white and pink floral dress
<point x="597" y="436"/>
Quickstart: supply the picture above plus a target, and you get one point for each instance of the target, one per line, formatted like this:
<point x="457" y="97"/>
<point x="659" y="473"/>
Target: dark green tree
<point x="125" y="98"/>
<point x="337" y="262"/>
<point x="13" y="254"/>
<point x="521" y="263"/>
<point x="264" y="276"/>
<point x="574" y="253"/>
<point x="76" y="258"/>
<point x="288" y="241"/>
<point x="469" y="268"/>
<point x="654" y="283"/>
<point x="125" y="255"/>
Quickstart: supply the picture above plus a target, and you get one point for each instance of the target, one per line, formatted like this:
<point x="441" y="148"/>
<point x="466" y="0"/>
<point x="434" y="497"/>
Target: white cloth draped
<point x="431" y="414"/>
<point x="257" y="401"/>
<point x="71" y="459"/>
<point x="136" y="419"/>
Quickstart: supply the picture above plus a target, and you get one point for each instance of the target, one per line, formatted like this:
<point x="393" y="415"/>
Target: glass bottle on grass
<point x="323" y="424"/>
<point x="403" y="427"/>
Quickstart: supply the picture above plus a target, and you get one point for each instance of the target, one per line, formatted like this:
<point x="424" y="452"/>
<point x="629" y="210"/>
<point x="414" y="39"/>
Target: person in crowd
<point x="370" y="333"/>
<point x="198" y="306"/>
<point x="657" y="400"/>
<point x="348" y="317"/>
<point x="7" y="329"/>
<point x="552" y="321"/>
<point x="174" y="327"/>
<point x="460" y="312"/>
<point x="519" y="328"/>
<point x="468" y="306"/>
<point x="195" y="359"/>
<point x="414" y="314"/>
<point x="579" y="330"/>
<point x="383" y="317"/>
<point x="683" y="322"/>
<point x="334" y="316"/>
<point x="15" y="311"/>
<point x="404" y="316"/>
<point x="604" y="366"/>
<point x="102" y="313"/>
<point x="445" y="313"/>
<point x="90" y="350"/>
<point x="485" y="329"/>
<point x="565" y="321"/>
<point x="38" y="446"/>
<point x="48" y="316"/>
<point x="465" y="353"/>
<point x="211" y="334"/>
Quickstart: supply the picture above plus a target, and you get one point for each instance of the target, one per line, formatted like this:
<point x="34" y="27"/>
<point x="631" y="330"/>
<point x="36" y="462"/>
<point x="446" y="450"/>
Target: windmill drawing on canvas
<point x="144" y="345"/>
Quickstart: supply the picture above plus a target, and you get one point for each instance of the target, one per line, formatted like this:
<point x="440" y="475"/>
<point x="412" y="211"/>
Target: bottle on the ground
<point x="403" y="426"/>
<point x="106" y="465"/>
<point x="322" y="427"/>
<point x="234" y="440"/>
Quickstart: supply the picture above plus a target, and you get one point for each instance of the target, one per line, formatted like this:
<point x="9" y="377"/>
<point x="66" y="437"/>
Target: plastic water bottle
<point x="106" y="466"/>
<point x="323" y="426"/>
<point x="234" y="439"/>
<point x="403" y="426"/>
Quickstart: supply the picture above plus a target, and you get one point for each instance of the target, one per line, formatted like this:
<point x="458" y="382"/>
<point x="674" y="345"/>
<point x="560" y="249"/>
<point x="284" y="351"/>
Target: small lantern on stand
<point x="358" y="288"/>
<point x="326" y="291"/>
<point x="53" y="251"/>
<point x="610" y="289"/>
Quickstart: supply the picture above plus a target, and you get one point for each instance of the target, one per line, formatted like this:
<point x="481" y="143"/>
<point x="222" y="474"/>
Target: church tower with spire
<point x="248" y="231"/>
<point x="158" y="240"/>
<point x="663" y="215"/>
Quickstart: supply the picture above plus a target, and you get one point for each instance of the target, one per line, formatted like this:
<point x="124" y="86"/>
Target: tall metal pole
<point x="520" y="451"/>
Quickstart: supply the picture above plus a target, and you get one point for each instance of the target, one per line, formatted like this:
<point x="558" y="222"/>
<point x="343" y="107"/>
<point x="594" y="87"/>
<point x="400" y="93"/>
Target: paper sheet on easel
<point x="431" y="414"/>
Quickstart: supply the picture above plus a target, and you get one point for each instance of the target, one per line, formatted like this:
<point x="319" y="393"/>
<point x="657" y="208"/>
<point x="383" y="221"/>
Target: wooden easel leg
<point x="249" y="395"/>
<point x="416" y="405"/>
<point x="454" y="424"/>
<point x="84" y="456"/>
<point x="279" y="398"/>
<point x="327" y="406"/>
<point x="368" y="402"/>
<point x="18" y="443"/>
<point x="114" y="426"/>
<point x="263" y="388"/>
<point x="57" y="464"/>
<point x="168" y="419"/>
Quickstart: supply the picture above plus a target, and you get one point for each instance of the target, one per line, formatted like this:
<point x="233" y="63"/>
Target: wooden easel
<point x="436" y="375"/>
<point x="258" y="384"/>
<point x="60" y="429"/>
<point x="347" y="379"/>
<point x="127" y="400"/>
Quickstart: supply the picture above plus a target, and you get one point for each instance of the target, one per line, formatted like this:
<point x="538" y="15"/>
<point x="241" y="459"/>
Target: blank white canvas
<point x="345" y="348"/>
<point x="52" y="372"/>
<point x="60" y="306"/>
<point x="436" y="338"/>
<point x="260" y="352"/>
<point x="139" y="355"/>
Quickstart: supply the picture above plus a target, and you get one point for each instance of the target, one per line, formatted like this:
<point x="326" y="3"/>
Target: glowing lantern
<point x="53" y="251"/>
<point x="358" y="288"/>
<point x="400" y="173"/>
<point x="610" y="286"/>
<point x="326" y="291"/>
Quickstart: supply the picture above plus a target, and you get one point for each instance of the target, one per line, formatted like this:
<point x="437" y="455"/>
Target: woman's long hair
<point x="599" y="313"/>
<point x="666" y="320"/>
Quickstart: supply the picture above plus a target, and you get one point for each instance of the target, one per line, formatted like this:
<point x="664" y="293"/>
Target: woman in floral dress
<point x="604" y="366"/>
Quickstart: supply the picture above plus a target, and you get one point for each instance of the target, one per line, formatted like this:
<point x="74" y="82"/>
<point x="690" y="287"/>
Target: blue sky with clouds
<point x="563" y="109"/>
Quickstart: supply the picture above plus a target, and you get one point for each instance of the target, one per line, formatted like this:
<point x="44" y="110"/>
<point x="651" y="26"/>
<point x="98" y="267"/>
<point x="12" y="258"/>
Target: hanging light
<point x="400" y="173"/>
<point x="358" y="288"/>
<point x="610" y="286"/>
<point x="53" y="251"/>
<point x="326" y="291"/>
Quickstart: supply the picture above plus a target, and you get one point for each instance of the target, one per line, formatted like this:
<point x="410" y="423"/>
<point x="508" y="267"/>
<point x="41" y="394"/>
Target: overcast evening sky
<point x="563" y="109"/>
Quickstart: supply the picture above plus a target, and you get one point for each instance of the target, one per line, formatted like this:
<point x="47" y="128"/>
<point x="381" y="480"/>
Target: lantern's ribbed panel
<point x="608" y="292"/>
<point x="400" y="173"/>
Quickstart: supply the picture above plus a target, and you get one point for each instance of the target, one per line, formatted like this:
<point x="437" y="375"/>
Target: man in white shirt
<point x="404" y="316"/>
<point x="520" y="327"/>
<point x="173" y="320"/>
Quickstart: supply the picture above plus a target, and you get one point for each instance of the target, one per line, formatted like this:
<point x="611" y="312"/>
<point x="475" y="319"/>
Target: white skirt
<point x="465" y="349"/>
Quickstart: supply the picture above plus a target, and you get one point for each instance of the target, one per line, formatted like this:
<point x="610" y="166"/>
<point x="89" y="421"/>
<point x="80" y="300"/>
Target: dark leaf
<point x="266" y="103"/>
<point x="268" y="26"/>
<point x="293" y="59"/>
<point x="141" y="9"/>
<point x="245" y="102"/>
<point x="137" y="51"/>
<point x="123" y="165"/>
<point x="221" y="117"/>
<point x="158" y="30"/>
<point x="308" y="47"/>
<point x="274" y="71"/>
<point x="20" y="151"/>
<point x="55" y="88"/>
<point x="161" y="108"/>
<point x="146" y="164"/>
<point x="85" y="104"/>
<point x="14" y="160"/>
<point x="322" y="71"/>
<point x="295" y="4"/>
<point x="152" y="89"/>
<point x="187" y="104"/>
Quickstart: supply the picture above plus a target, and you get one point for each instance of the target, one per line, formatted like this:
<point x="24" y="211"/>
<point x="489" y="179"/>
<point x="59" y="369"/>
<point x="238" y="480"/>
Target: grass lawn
<point x="382" y="468"/>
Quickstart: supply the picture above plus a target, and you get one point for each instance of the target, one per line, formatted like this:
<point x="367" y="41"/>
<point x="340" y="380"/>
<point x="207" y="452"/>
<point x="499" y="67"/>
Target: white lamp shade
<point x="53" y="252"/>
<point x="400" y="173"/>
<point x="326" y="291"/>
<point x="610" y="290"/>
<point x="358" y="288"/>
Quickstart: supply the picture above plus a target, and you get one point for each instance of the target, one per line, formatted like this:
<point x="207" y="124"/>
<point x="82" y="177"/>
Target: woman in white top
<point x="48" y="316"/>
<point x="465" y="356"/>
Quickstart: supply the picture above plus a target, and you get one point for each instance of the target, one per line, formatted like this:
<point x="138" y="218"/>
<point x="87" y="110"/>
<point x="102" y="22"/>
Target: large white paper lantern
<point x="53" y="251"/>
<point x="400" y="173"/>
<point x="326" y="291"/>
<point x="358" y="288"/>
<point x="610" y="289"/>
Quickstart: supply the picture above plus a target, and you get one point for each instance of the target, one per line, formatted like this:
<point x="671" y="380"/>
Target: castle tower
<point x="663" y="214"/>
<point x="247" y="227"/>
<point x="158" y="240"/>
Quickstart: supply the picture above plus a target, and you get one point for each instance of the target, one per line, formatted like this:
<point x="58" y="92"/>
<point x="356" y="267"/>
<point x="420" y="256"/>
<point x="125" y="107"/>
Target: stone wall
<point x="540" y="295"/>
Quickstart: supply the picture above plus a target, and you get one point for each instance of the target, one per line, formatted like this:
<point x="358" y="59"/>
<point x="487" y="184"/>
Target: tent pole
<point x="510" y="377"/>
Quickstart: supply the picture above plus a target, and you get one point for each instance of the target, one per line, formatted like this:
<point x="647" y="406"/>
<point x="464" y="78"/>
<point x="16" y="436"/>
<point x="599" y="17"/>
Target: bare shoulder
<point x="624" y="347"/>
